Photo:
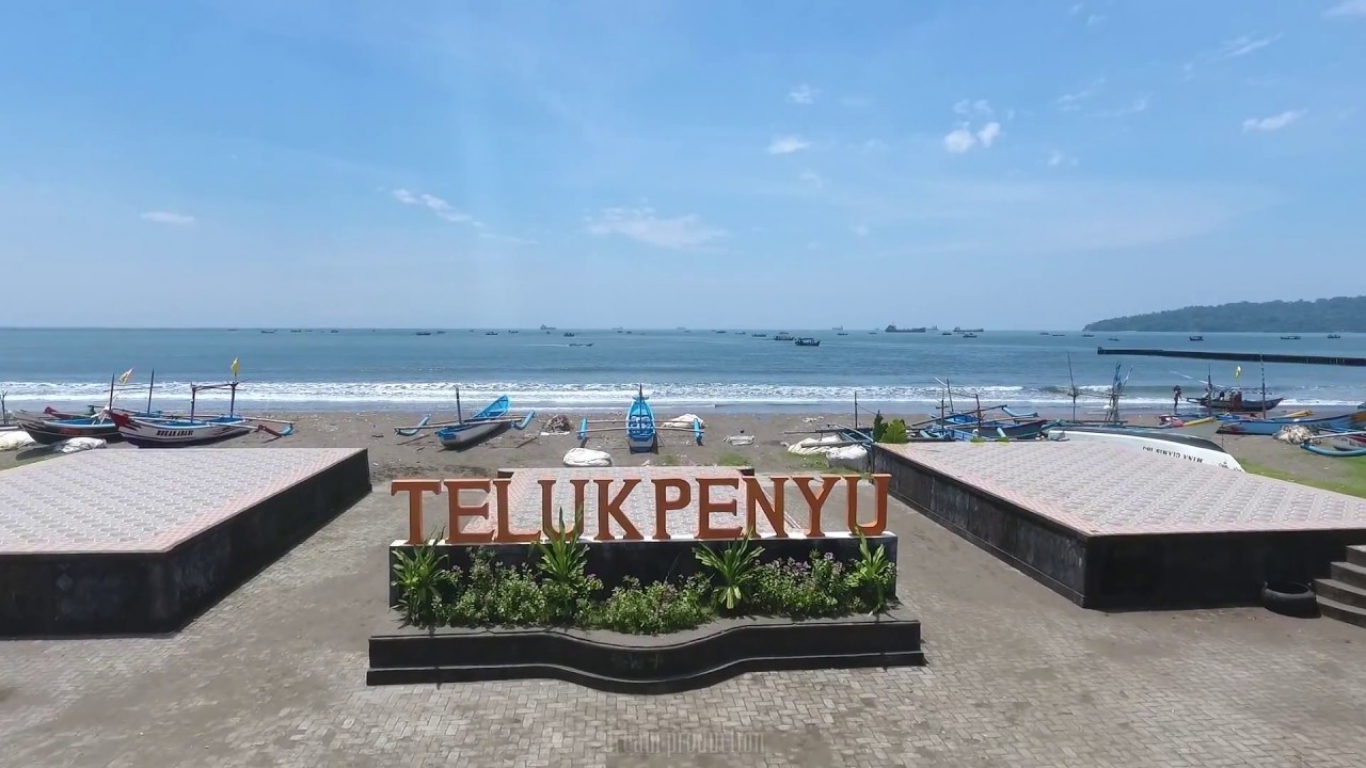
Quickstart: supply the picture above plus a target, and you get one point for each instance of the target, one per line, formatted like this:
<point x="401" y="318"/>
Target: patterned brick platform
<point x="1106" y="490"/>
<point x="1112" y="528"/>
<point x="132" y="541"/>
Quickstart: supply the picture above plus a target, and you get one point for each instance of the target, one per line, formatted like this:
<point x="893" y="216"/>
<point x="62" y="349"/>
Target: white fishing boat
<point x="1159" y="442"/>
<point x="145" y="432"/>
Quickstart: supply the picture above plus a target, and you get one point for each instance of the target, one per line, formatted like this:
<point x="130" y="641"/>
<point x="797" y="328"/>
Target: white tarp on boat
<point x="587" y="457"/>
<point x="813" y="446"/>
<point x="684" y="422"/>
<point x="853" y="457"/>
<point x="77" y="444"/>
<point x="16" y="440"/>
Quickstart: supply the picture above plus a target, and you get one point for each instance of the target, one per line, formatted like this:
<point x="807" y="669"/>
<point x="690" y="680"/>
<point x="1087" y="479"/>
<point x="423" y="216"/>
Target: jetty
<point x="1240" y="357"/>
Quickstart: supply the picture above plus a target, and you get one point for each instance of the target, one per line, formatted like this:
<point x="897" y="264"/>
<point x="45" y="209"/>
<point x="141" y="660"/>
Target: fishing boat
<point x="642" y="432"/>
<point x="759" y="335"/>
<point x="1230" y="404"/>
<point x="54" y="426"/>
<point x="1158" y="442"/>
<point x="965" y="427"/>
<point x="894" y="329"/>
<point x="145" y="432"/>
<point x="1290" y="338"/>
<point x="1337" y="445"/>
<point x="1256" y="426"/>
<point x="784" y="336"/>
<point x="569" y="334"/>
<point x="423" y="333"/>
<point x="581" y="344"/>
<point x="969" y="335"/>
<point x="807" y="341"/>
<point x="1334" y="335"/>
<point x="1196" y="338"/>
<point x="463" y="432"/>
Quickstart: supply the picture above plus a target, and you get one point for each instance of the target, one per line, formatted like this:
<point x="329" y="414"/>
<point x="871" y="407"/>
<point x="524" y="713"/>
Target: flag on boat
<point x="1238" y="372"/>
<point x="126" y="374"/>
<point x="234" y="367"/>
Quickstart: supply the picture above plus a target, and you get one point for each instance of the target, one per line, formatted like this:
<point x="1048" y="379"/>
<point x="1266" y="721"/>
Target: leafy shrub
<point x="895" y="433"/>
<point x="654" y="609"/>
<point x="421" y="577"/>
<point x="872" y="576"/>
<point x="732" y="570"/>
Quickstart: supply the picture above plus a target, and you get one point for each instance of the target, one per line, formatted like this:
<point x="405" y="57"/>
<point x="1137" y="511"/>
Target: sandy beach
<point x="394" y="456"/>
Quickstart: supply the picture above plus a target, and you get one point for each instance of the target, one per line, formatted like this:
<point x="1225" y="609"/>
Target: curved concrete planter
<point x="648" y="664"/>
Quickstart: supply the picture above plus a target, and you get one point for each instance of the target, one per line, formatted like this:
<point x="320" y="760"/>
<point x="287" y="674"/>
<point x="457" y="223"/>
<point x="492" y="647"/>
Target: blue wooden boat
<point x="182" y="432"/>
<point x="1255" y="426"/>
<point x="641" y="436"/>
<point x="479" y="427"/>
<point x="1338" y="446"/>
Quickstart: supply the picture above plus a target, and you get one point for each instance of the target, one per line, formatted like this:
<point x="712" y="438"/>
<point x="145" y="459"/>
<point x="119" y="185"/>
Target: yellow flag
<point x="234" y="367"/>
<point x="126" y="374"/>
<point x="1238" y="372"/>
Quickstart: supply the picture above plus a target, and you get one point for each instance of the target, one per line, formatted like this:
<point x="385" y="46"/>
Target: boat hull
<point x="641" y="436"/>
<point x="1156" y="442"/>
<point x="181" y="433"/>
<point x="1242" y="406"/>
<point x="468" y="435"/>
<point x="1269" y="427"/>
<point x="53" y="431"/>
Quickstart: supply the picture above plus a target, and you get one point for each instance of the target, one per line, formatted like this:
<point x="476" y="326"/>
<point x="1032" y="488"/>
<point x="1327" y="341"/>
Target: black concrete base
<point x="651" y="561"/>
<point x="1118" y="572"/>
<point x="617" y="663"/>
<point x="135" y="593"/>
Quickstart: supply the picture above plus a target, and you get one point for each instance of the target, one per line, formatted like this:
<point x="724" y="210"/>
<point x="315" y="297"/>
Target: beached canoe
<point x="641" y="436"/>
<point x="469" y="434"/>
<point x="180" y="433"/>
<point x="1158" y="442"/>
<point x="1269" y="427"/>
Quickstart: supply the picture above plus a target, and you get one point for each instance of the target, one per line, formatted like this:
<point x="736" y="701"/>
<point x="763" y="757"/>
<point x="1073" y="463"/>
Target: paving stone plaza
<point x="1016" y="676"/>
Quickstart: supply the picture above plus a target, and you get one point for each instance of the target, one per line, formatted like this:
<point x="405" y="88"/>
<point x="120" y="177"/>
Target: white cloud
<point x="861" y="230"/>
<point x="1076" y="9"/>
<point x="1071" y="102"/>
<point x="802" y="94"/>
<point x="643" y="225"/>
<point x="435" y="204"/>
<point x="1094" y="19"/>
<point x="962" y="139"/>
<point x="968" y="107"/>
<point x="1058" y="158"/>
<point x="786" y="145"/>
<point x="1273" y="123"/>
<point x="1140" y="104"/>
<point x="812" y="178"/>
<point x="989" y="133"/>
<point x="1242" y="46"/>
<point x="1347" y="8"/>
<point x="167" y="217"/>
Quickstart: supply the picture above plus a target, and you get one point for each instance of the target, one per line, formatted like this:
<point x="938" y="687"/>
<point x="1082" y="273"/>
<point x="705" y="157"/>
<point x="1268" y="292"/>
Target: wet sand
<point x="396" y="456"/>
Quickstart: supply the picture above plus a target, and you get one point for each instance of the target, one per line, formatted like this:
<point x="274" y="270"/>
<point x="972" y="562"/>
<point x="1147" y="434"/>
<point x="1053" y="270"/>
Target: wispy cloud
<point x="786" y="145"/>
<point x="1139" y="104"/>
<point x="968" y="107"/>
<point x="1094" y="19"/>
<point x="1273" y="123"/>
<point x="962" y="139"/>
<point x="1347" y="8"/>
<point x="167" y="217"/>
<point x="1076" y="9"/>
<point x="1071" y="102"/>
<point x="436" y="205"/>
<point x="802" y="94"/>
<point x="1242" y="46"/>
<point x="1057" y="158"/>
<point x="641" y="224"/>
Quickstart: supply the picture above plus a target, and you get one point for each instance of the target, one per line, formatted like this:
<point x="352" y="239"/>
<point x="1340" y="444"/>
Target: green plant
<point x="879" y="427"/>
<point x="734" y="567"/>
<point x="895" y="433"/>
<point x="563" y="563"/>
<point x="654" y="609"/>
<point x="871" y="577"/>
<point x="420" y="576"/>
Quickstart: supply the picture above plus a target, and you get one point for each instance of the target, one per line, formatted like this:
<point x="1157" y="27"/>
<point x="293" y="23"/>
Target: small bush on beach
<point x="895" y="433"/>
<point x="879" y="427"/>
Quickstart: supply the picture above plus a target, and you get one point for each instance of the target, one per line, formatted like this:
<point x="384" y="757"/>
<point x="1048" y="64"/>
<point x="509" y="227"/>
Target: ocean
<point x="364" y="370"/>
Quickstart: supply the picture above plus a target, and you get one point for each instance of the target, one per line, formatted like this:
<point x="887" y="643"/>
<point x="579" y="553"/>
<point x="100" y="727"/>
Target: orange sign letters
<point x="716" y="518"/>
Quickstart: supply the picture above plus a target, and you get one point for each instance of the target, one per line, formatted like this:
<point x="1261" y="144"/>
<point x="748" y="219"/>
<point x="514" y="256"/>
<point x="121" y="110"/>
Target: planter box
<point x="644" y="664"/>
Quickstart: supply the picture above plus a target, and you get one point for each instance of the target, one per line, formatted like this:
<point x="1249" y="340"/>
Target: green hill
<point x="1343" y="314"/>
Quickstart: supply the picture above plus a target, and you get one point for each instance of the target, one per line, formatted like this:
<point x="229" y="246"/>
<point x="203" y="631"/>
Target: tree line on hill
<point x="1343" y="314"/>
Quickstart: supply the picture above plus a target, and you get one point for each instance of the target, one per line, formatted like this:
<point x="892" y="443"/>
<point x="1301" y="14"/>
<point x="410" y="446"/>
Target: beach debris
<point x="558" y="425"/>
<point x="78" y="444"/>
<point x="684" y="422"/>
<point x="813" y="446"/>
<point x="587" y="457"/>
<point x="740" y="439"/>
<point x="1295" y="434"/>
<point x="16" y="441"/>
<point x="853" y="457"/>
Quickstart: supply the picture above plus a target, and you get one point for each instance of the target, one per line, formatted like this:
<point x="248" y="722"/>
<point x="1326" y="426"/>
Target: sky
<point x="642" y="163"/>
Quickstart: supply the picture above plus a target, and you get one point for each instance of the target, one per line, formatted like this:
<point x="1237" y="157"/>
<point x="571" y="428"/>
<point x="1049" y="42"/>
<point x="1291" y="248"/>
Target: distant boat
<point x="267" y="331"/>
<point x="490" y="333"/>
<point x="894" y="329"/>
<point x="581" y="344"/>
<point x="514" y="331"/>
<point x="1045" y="333"/>
<point x="569" y="334"/>
<point x="783" y="336"/>
<point x="956" y="329"/>
<point x="759" y="335"/>
<point x="1290" y="338"/>
<point x="946" y="333"/>
<point x="1088" y="335"/>
<point x="842" y="333"/>
<point x="1197" y="338"/>
<point x="423" y="333"/>
<point x="807" y="341"/>
<point x="547" y="327"/>
<point x="1334" y="336"/>
<point x="838" y="328"/>
<point x="1057" y="334"/>
<point x="718" y="331"/>
<point x="334" y="331"/>
<point x="1114" y="338"/>
<point x="969" y="335"/>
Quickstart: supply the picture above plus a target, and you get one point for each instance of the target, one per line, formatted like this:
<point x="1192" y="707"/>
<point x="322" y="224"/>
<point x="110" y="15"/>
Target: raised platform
<point x="141" y="541"/>
<point x="1111" y="528"/>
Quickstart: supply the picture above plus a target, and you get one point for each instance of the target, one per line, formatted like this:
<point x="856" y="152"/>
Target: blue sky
<point x="639" y="163"/>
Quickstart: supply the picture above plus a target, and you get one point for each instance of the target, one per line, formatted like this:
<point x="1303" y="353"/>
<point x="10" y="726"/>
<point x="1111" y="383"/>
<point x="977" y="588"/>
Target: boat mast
<point x="1262" y="360"/>
<point x="112" y="379"/>
<point x="459" y="415"/>
<point x="151" y="384"/>
<point x="232" y="397"/>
